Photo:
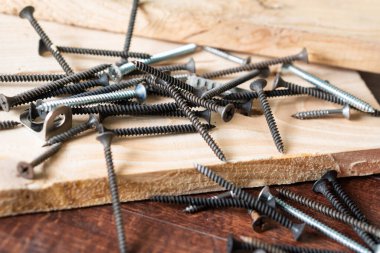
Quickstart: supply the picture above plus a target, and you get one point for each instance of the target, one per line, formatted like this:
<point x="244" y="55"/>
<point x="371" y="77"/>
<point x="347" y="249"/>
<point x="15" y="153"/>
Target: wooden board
<point x="339" y="33"/>
<point x="76" y="176"/>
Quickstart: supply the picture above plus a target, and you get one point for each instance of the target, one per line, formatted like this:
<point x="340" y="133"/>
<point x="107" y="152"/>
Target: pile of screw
<point x="105" y="90"/>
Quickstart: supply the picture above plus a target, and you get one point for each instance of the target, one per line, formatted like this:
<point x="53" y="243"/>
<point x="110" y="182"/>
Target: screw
<point x="43" y="49"/>
<point x="328" y="87"/>
<point x="28" y="96"/>
<point x="260" y="223"/>
<point x="131" y="25"/>
<point x="26" y="170"/>
<point x="323" y="228"/>
<point x="228" y="56"/>
<point x="329" y="211"/>
<point x="8" y="124"/>
<point x="106" y="138"/>
<point x="195" y="208"/>
<point x="116" y="72"/>
<point x="246" y="95"/>
<point x="250" y="244"/>
<point x="30" y="77"/>
<point x="188" y="66"/>
<point x="235" y="82"/>
<point x="208" y="84"/>
<point x="345" y="112"/>
<point x="301" y="56"/>
<point x="258" y="86"/>
<point x="253" y="203"/>
<point x="139" y="93"/>
<point x="204" y="114"/>
<point x="27" y="13"/>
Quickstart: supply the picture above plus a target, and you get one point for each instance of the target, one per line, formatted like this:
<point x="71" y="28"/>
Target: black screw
<point x="250" y="244"/>
<point x="131" y="25"/>
<point x="26" y="170"/>
<point x="188" y="66"/>
<point x="301" y="56"/>
<point x="260" y="223"/>
<point x="253" y="95"/>
<point x="258" y="86"/>
<point x="8" y="124"/>
<point x="106" y="138"/>
<point x="30" y="77"/>
<point x="204" y="114"/>
<point x="27" y="13"/>
<point x="195" y="208"/>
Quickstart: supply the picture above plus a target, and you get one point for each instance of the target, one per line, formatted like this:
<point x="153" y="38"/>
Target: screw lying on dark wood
<point x="30" y="78"/>
<point x="131" y="26"/>
<point x="258" y="86"/>
<point x="260" y="223"/>
<point x="27" y="13"/>
<point x="345" y="112"/>
<point x="228" y="56"/>
<point x="301" y="56"/>
<point x="250" y="244"/>
<point x="26" y="170"/>
<point x="105" y="138"/>
<point x="195" y="208"/>
<point x="8" y="124"/>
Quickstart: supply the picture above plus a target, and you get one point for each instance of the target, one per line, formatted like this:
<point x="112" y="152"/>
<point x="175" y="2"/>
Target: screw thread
<point x="8" y="124"/>
<point x="174" y="67"/>
<point x="247" y="95"/>
<point x="197" y="208"/>
<point x="65" y="66"/>
<point x="45" y="155"/>
<point x="226" y="55"/>
<point x="311" y="114"/>
<point x="153" y="90"/>
<point x="62" y="137"/>
<point x="253" y="244"/>
<point x="102" y="52"/>
<point x="131" y="25"/>
<point x="30" y="78"/>
<point x="295" y="249"/>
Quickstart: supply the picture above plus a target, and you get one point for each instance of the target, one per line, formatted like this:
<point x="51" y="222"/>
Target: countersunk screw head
<point x="297" y="230"/>
<point x="259" y="222"/>
<point x="330" y="175"/>
<point x="246" y="108"/>
<point x="227" y="112"/>
<point x="105" y="138"/>
<point x="247" y="60"/>
<point x="104" y="80"/>
<point x="278" y="81"/>
<point x="320" y="185"/>
<point x="190" y="65"/>
<point x="231" y="244"/>
<point x="6" y="102"/>
<point x="114" y="72"/>
<point x="93" y="121"/>
<point x="27" y="12"/>
<point x="266" y="196"/>
<point x="303" y="55"/>
<point x="258" y="85"/>
<point x="42" y="48"/>
<point x="141" y="93"/>
<point x="346" y="111"/>
<point x="205" y="114"/>
<point x="265" y="72"/>
<point x="25" y="170"/>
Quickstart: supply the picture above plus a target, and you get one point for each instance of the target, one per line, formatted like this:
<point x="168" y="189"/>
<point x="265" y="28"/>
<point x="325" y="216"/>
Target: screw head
<point x="205" y="114"/>
<point x="114" y="73"/>
<point x="330" y="175"/>
<point x="141" y="93"/>
<point x="27" y="12"/>
<point x="320" y="185"/>
<point x="227" y="112"/>
<point x="278" y="81"/>
<point x="92" y="120"/>
<point x="104" y="80"/>
<point x="266" y="196"/>
<point x="247" y="60"/>
<point x="303" y="56"/>
<point x="42" y="48"/>
<point x="346" y="111"/>
<point x="190" y="66"/>
<point x="258" y="85"/>
<point x="259" y="223"/>
<point x="6" y="102"/>
<point x="25" y="170"/>
<point x="297" y="230"/>
<point x="105" y="138"/>
<point x="265" y="72"/>
<point x="231" y="244"/>
<point x="246" y="108"/>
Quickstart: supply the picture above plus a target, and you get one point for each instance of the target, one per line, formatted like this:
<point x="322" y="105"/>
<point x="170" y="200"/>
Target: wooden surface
<point x="76" y="176"/>
<point x="339" y="33"/>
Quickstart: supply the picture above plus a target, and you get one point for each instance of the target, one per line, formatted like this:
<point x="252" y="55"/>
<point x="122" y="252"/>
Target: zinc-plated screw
<point x="323" y="228"/>
<point x="228" y="56"/>
<point x="27" y="13"/>
<point x="26" y="170"/>
<point x="8" y="124"/>
<point x="116" y="72"/>
<point x="139" y="93"/>
<point x="301" y="56"/>
<point x="30" y="78"/>
<point x="345" y="112"/>
<point x="195" y="208"/>
<point x="258" y="86"/>
<point x="106" y="138"/>
<point x="250" y="244"/>
<point x="328" y="87"/>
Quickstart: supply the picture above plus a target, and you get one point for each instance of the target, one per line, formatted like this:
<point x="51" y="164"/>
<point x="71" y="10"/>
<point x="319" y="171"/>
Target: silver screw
<point x="344" y="240"/>
<point x="139" y="93"/>
<point x="328" y="87"/>
<point x="345" y="112"/>
<point x="116" y="73"/>
<point x="228" y="56"/>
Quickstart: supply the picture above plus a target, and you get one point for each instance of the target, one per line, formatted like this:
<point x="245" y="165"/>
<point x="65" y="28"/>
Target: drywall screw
<point x="27" y="13"/>
<point x="323" y="228"/>
<point x="131" y="25"/>
<point x="43" y="49"/>
<point x="195" y="208"/>
<point x="8" y="124"/>
<point x="188" y="66"/>
<point x="30" y="78"/>
<point x="208" y="84"/>
<point x="246" y="95"/>
<point x="330" y="212"/>
<point x="204" y="114"/>
<point x="139" y="93"/>
<point x="260" y="223"/>
<point x="250" y="244"/>
<point x="158" y="130"/>
<point x="228" y="56"/>
<point x="235" y="82"/>
<point x="328" y="87"/>
<point x="301" y="56"/>
<point x="26" y="170"/>
<point x="345" y="112"/>
<point x="105" y="138"/>
<point x="116" y="72"/>
<point x="62" y="137"/>
<point x="28" y="96"/>
<point x="258" y="205"/>
<point x="258" y="86"/>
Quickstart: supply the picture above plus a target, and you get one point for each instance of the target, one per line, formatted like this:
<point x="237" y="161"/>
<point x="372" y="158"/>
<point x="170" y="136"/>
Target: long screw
<point x="250" y="244"/>
<point x="195" y="208"/>
<point x="246" y="95"/>
<point x="227" y="56"/>
<point x="30" y="95"/>
<point x="30" y="78"/>
<point x="139" y="93"/>
<point x="26" y="170"/>
<point x="43" y="49"/>
<point x="328" y="87"/>
<point x="8" y="124"/>
<point x="204" y="114"/>
<point x="106" y="138"/>
<point x="27" y="13"/>
<point x="131" y="25"/>
<point x="301" y="56"/>
<point x="235" y="82"/>
<point x="116" y="73"/>
<point x="323" y="228"/>
<point x="188" y="66"/>
<point x="345" y="112"/>
<point x="254" y="203"/>
<point x="208" y="84"/>
<point x="258" y="86"/>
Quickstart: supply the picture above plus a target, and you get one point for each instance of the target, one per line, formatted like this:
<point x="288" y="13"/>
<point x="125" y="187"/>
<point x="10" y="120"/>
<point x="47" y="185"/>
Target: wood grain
<point x="340" y="33"/>
<point x="76" y="176"/>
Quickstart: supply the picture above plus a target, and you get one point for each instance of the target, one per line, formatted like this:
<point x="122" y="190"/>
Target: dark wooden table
<point x="153" y="227"/>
